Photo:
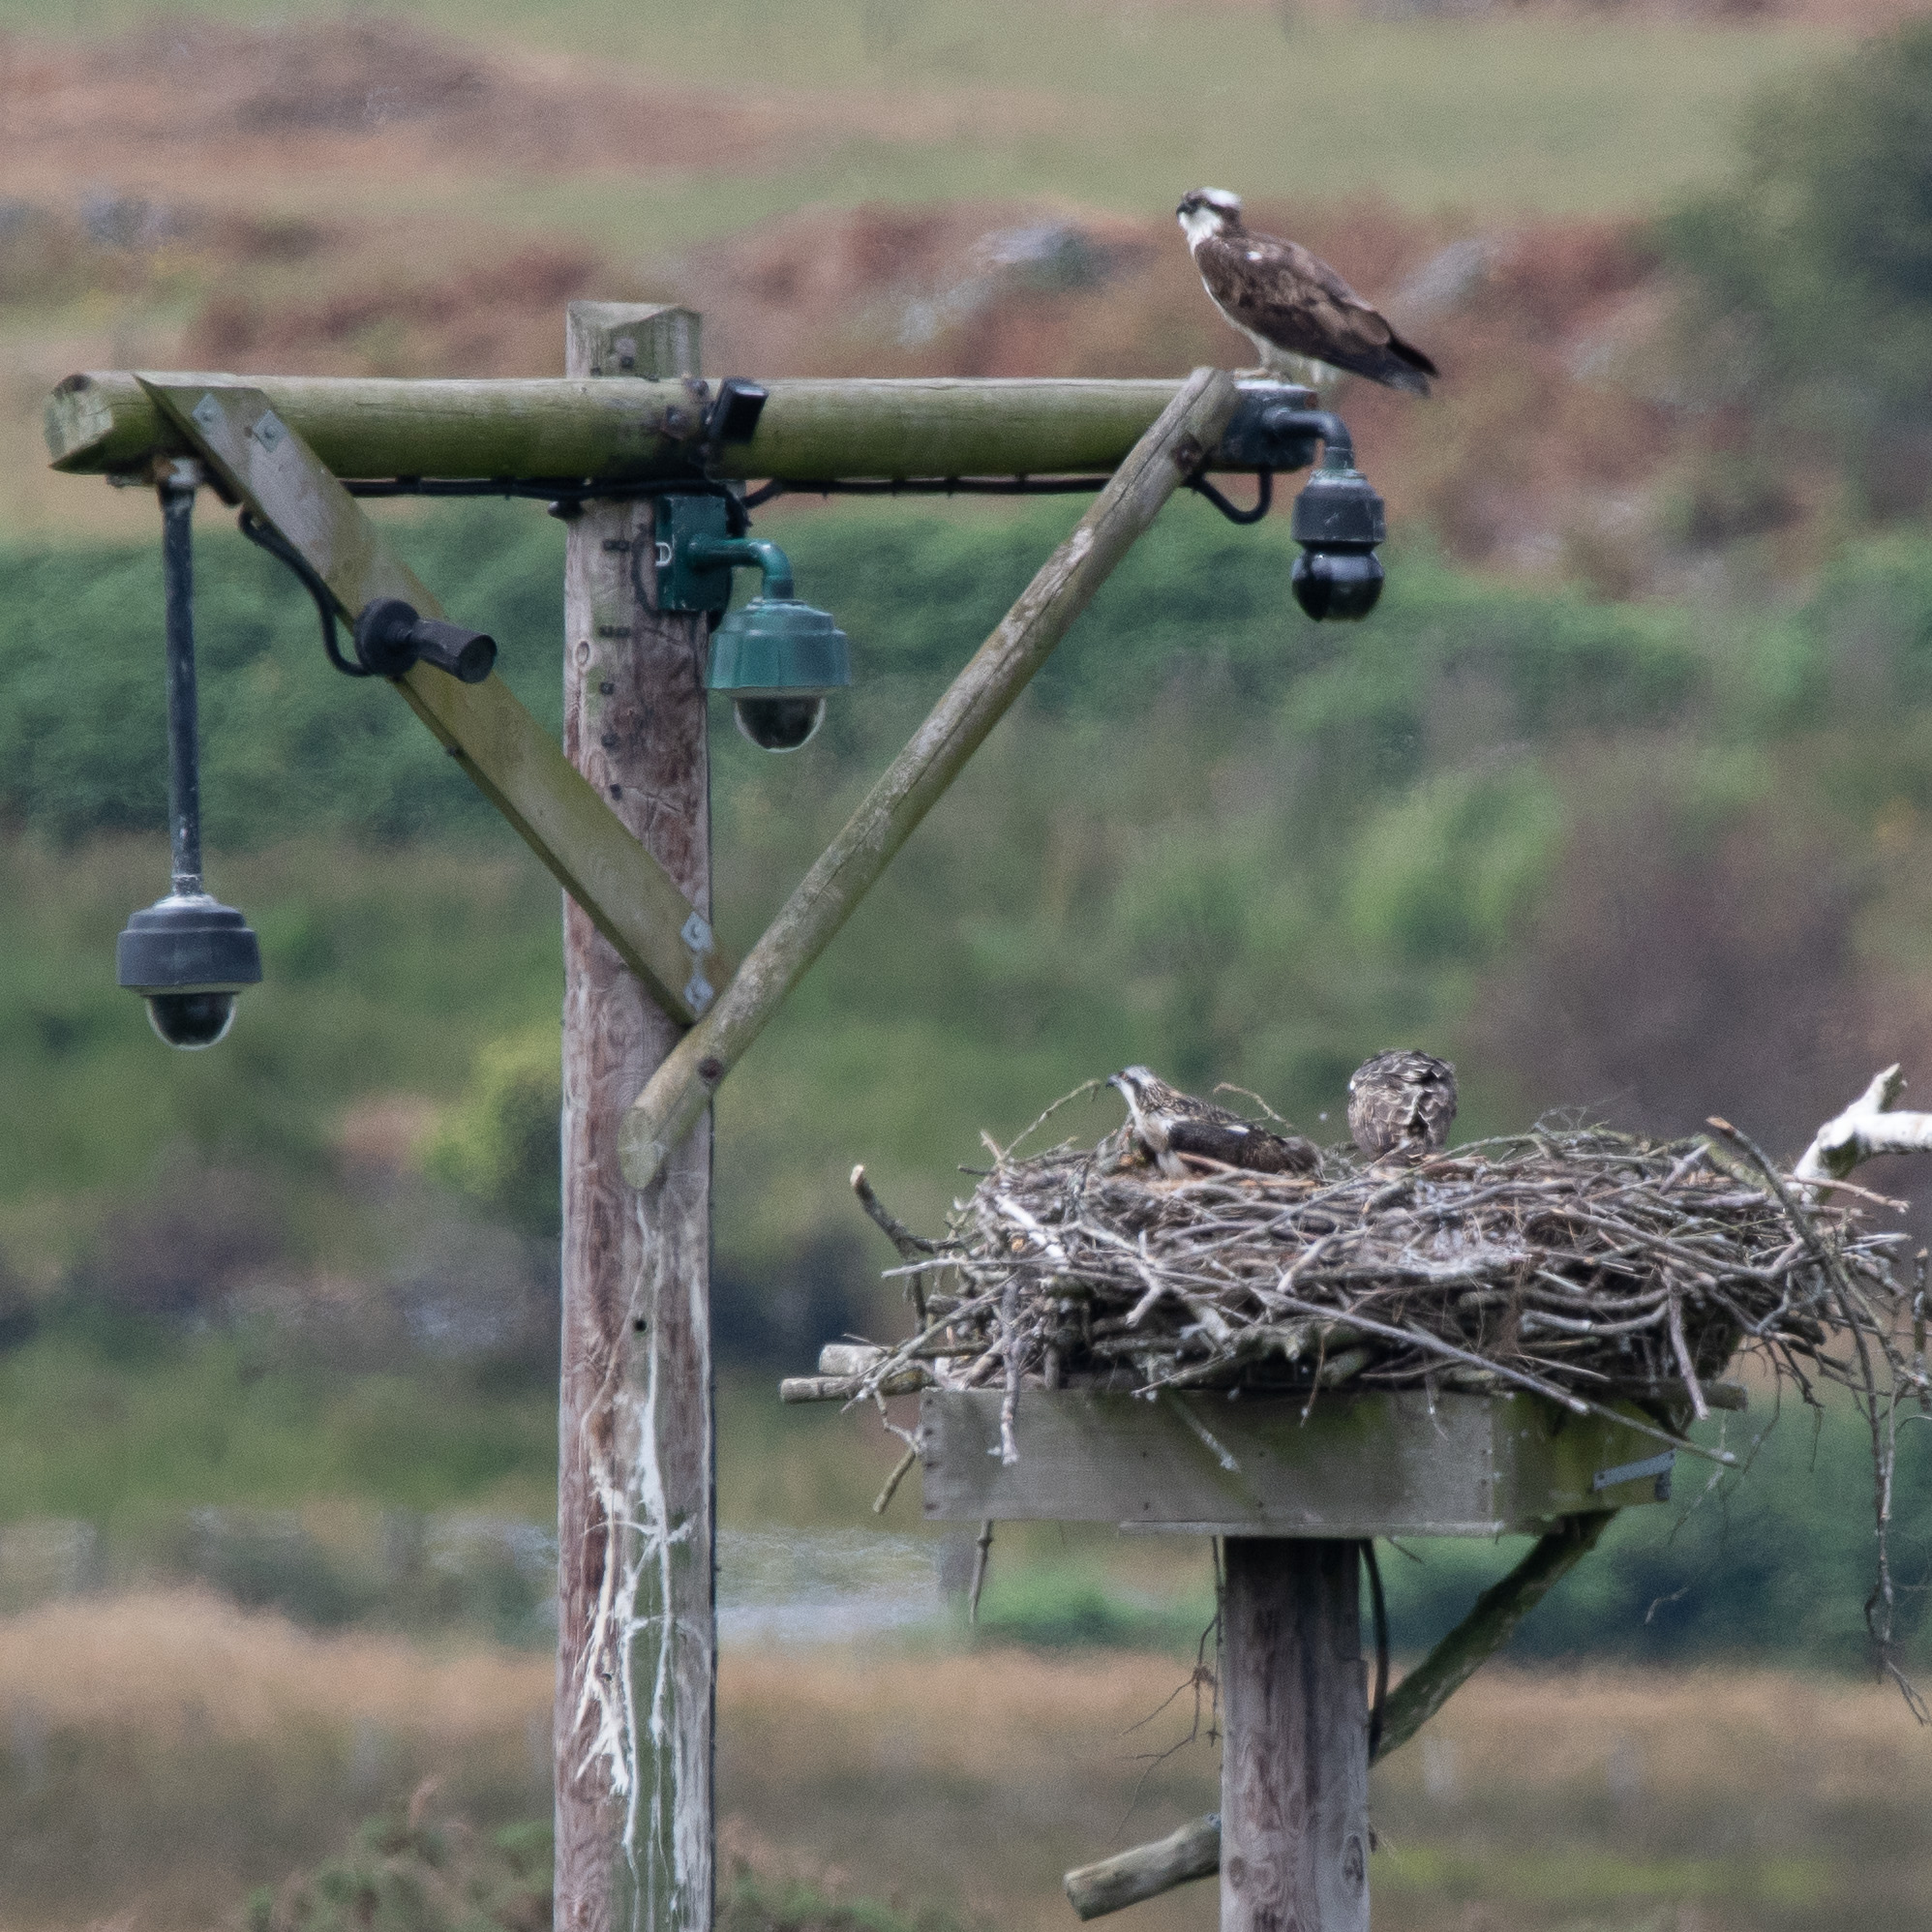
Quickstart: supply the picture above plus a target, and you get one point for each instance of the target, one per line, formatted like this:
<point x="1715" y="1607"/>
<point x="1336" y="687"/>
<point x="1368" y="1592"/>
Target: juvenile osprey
<point x="1290" y="303"/>
<point x="1169" y="1124"/>
<point x="1401" y="1104"/>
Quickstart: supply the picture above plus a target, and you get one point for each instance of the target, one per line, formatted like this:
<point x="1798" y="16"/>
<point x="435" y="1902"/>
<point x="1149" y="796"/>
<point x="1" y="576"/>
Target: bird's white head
<point x="1208" y="211"/>
<point x="1132" y="1081"/>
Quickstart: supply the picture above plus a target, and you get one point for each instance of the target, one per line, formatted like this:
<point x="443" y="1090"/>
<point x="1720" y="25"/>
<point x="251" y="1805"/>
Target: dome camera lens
<point x="1341" y="583"/>
<point x="190" y="1020"/>
<point x="778" y="724"/>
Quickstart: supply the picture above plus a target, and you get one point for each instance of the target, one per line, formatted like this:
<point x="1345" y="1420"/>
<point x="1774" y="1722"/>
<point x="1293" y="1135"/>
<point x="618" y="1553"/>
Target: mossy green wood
<point x="1393" y="1464"/>
<point x="508" y="756"/>
<point x="632" y="428"/>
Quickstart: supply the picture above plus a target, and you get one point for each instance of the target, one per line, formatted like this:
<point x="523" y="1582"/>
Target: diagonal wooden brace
<point x="631" y="898"/>
<point x="1171" y="451"/>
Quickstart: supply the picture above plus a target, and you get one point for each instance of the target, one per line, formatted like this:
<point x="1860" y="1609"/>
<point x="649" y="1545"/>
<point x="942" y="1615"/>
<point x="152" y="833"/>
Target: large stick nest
<point x="1594" y="1268"/>
<point x="1586" y="1265"/>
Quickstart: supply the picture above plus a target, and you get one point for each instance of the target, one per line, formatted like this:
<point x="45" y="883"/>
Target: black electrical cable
<point x="276" y="546"/>
<point x="1000" y="486"/>
<point x="565" y="495"/>
<point x="1264" y="496"/>
<point x="1378" y="1611"/>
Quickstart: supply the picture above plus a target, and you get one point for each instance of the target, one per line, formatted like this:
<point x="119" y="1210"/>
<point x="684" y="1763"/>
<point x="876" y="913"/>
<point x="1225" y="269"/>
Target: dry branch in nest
<point x="1589" y="1267"/>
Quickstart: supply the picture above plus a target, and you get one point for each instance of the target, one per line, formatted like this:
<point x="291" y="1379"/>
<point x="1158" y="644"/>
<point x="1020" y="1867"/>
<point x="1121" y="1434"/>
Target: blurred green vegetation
<point x="404" y="1871"/>
<point x="1212" y="837"/>
<point x="116" y="1421"/>
<point x="498" y="1143"/>
<point x="1814" y="261"/>
<point x="410" y="1869"/>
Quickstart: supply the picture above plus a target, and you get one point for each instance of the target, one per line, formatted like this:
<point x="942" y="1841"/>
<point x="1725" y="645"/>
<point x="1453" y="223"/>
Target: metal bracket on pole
<point x="633" y="901"/>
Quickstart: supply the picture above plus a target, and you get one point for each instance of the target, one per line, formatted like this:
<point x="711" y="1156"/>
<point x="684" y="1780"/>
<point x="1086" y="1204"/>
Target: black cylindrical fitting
<point x="1338" y="508"/>
<point x="1293" y="425"/>
<point x="390" y="637"/>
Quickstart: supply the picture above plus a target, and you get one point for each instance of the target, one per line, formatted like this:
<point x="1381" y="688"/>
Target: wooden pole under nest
<point x="1195" y="1850"/>
<point x="1294" y="1756"/>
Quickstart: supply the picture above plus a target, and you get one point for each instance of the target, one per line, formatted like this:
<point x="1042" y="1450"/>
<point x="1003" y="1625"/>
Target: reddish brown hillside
<point x="296" y="207"/>
<point x="1540" y="451"/>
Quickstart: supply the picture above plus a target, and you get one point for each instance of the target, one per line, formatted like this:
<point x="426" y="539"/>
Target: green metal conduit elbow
<point x="730" y="553"/>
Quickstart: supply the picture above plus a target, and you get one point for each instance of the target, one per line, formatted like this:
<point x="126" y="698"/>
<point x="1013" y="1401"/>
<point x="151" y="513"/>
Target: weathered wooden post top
<point x="648" y="462"/>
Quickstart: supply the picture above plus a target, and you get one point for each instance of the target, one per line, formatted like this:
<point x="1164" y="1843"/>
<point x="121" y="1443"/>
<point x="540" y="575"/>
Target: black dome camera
<point x="779" y="723"/>
<point x="1337" y="521"/>
<point x="190" y="1020"/>
<point x="187" y="955"/>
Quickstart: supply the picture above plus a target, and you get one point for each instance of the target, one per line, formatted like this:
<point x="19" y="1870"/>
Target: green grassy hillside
<point x="1214" y="838"/>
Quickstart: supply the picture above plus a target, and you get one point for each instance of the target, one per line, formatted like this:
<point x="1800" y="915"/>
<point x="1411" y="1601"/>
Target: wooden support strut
<point x="1170" y="451"/>
<point x="633" y="901"/>
<point x="1195" y="1850"/>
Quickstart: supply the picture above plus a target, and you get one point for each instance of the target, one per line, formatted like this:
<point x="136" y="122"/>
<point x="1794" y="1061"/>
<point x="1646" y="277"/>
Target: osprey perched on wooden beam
<point x="1290" y="303"/>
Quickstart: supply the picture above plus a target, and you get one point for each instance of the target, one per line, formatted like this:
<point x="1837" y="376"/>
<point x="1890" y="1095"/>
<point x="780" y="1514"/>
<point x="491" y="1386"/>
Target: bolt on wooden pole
<point x="636" y="1639"/>
<point x="1294" y="1754"/>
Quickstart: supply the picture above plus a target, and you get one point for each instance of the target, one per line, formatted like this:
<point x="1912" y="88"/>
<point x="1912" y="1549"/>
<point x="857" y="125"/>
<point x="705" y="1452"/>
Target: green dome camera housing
<point x="777" y="658"/>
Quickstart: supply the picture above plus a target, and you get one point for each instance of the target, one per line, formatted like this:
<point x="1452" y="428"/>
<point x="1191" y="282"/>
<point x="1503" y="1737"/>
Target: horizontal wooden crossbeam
<point x="265" y="463"/>
<point x="627" y="429"/>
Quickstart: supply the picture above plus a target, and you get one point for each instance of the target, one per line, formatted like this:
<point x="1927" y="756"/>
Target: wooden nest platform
<point x="1586" y="1266"/>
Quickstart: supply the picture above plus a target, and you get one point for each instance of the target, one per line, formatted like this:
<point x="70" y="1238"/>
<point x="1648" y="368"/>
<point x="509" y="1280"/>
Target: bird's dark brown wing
<point x="1190" y="1106"/>
<point x="1280" y="1154"/>
<point x="1297" y="302"/>
<point x="1253" y="1148"/>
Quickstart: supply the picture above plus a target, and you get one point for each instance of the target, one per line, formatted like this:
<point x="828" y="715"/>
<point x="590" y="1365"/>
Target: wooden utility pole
<point x="636" y="1633"/>
<point x="1294" y="1754"/>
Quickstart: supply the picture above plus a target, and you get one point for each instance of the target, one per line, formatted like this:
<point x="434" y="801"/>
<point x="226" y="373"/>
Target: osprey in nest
<point x="1401" y="1104"/>
<point x="1171" y="1126"/>
<point x="1289" y="302"/>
